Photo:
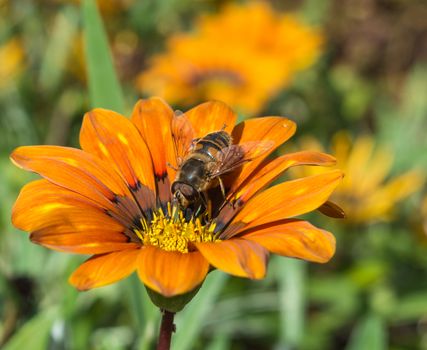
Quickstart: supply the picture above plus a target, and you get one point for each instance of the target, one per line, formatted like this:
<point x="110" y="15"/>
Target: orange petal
<point x="42" y="204"/>
<point x="171" y="273"/>
<point x="153" y="117"/>
<point x="285" y="200"/>
<point x="273" y="169"/>
<point x="296" y="239"/>
<point x="66" y="221"/>
<point x="276" y="129"/>
<point x="88" y="242"/>
<point x="73" y="169"/>
<point x="114" y="139"/>
<point x="101" y="270"/>
<point x="237" y="257"/>
<point x="211" y="116"/>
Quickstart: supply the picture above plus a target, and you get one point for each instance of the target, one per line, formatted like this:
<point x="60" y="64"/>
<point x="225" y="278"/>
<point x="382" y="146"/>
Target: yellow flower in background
<point x="242" y="56"/>
<point x="366" y="193"/>
<point x="11" y="58"/>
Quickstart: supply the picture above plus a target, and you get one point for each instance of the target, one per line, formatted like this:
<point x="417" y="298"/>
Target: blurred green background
<point x="367" y="81"/>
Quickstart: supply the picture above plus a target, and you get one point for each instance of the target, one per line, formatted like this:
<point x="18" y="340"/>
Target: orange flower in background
<point x="242" y="56"/>
<point x="113" y="200"/>
<point x="365" y="193"/>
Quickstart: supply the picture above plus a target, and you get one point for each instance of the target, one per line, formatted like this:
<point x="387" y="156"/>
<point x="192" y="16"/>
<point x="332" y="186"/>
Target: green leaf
<point x="34" y="334"/>
<point x="220" y="342"/>
<point x="369" y="334"/>
<point x="189" y="322"/>
<point x="104" y="87"/>
<point x="403" y="125"/>
<point x="290" y="275"/>
<point x="144" y="313"/>
<point x="410" y="307"/>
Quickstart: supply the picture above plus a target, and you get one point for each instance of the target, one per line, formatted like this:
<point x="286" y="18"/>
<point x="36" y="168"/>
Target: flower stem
<point x="166" y="329"/>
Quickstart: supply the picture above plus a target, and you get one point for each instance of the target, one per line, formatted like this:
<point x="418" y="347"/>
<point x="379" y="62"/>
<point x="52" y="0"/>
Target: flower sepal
<point x="172" y="304"/>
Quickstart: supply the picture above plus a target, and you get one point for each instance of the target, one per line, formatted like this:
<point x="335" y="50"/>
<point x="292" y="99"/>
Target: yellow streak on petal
<point x="53" y="206"/>
<point x="103" y="149"/>
<point x="72" y="162"/>
<point x="122" y="139"/>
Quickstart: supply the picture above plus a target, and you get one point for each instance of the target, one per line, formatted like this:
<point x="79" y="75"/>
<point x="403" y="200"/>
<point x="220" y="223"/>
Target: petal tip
<point x="81" y="284"/>
<point x="16" y="155"/>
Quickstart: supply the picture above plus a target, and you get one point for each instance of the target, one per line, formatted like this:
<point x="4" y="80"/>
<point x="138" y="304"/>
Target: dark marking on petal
<point x="220" y="225"/>
<point x="119" y="217"/>
<point x="131" y="236"/>
<point x="163" y="187"/>
<point x="115" y="199"/>
<point x="162" y="176"/>
<point x="137" y="222"/>
<point x="144" y="199"/>
<point x="136" y="186"/>
<point x="128" y="206"/>
<point x="231" y="230"/>
<point x="226" y="214"/>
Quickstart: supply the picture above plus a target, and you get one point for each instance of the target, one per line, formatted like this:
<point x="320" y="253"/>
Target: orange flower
<point x="112" y="200"/>
<point x="243" y="56"/>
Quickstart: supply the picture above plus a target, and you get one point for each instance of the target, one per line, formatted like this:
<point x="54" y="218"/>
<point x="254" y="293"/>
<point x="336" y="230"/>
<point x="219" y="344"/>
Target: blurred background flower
<point x="243" y="55"/>
<point x="12" y="61"/>
<point x="368" y="193"/>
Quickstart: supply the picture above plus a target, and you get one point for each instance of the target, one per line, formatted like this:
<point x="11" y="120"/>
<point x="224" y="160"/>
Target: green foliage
<point x="369" y="333"/>
<point x="190" y="321"/>
<point x="104" y="88"/>
<point x="35" y="333"/>
<point x="291" y="276"/>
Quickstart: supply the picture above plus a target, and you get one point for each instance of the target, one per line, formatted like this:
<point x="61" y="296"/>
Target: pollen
<point x="172" y="232"/>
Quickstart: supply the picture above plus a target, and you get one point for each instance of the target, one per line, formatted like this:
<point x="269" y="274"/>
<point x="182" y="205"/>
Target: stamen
<point x="172" y="232"/>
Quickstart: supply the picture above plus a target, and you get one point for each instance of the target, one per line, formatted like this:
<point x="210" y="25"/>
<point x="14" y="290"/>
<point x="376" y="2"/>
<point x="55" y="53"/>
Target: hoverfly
<point x="202" y="161"/>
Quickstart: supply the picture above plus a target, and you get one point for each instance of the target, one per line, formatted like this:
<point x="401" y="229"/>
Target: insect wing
<point x="255" y="149"/>
<point x="234" y="156"/>
<point x="183" y="135"/>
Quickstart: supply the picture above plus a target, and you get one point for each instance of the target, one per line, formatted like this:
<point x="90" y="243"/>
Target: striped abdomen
<point x="211" y="144"/>
<point x="194" y="170"/>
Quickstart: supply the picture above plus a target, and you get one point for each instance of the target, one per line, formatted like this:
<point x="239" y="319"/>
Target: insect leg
<point x="171" y="166"/>
<point x="221" y="185"/>
<point x="202" y="204"/>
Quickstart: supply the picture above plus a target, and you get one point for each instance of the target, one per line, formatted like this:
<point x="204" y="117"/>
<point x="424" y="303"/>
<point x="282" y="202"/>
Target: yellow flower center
<point x="172" y="232"/>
